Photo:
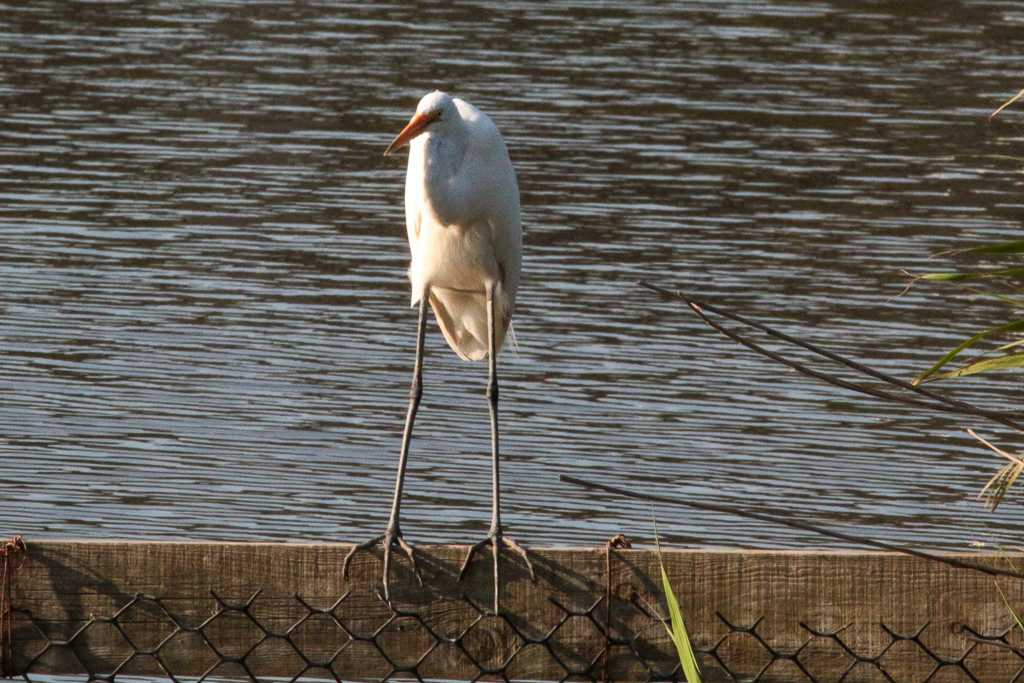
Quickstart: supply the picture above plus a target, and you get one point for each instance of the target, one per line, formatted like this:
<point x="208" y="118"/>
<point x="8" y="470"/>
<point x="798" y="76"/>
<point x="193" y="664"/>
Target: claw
<point x="388" y="539"/>
<point x="470" y="553"/>
<point x="410" y="553"/>
<point x="365" y="545"/>
<point x="496" y="539"/>
<point x="521" y="551"/>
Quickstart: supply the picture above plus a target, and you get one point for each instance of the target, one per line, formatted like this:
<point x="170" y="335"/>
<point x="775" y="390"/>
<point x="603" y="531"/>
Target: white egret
<point x="462" y="219"/>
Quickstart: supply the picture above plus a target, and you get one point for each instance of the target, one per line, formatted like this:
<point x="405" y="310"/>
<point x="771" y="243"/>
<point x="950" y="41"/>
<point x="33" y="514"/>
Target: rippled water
<point x="204" y="322"/>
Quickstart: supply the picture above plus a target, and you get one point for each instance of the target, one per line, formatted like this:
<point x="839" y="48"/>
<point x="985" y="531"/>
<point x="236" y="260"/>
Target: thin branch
<point x="699" y="308"/>
<point x="942" y="403"/>
<point x="787" y="520"/>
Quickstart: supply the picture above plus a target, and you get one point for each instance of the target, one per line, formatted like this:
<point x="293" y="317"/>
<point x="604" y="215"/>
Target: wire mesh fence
<point x="304" y="651"/>
<point x="567" y="626"/>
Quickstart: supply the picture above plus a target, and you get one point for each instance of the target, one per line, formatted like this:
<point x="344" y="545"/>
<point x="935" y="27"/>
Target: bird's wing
<point x="490" y="186"/>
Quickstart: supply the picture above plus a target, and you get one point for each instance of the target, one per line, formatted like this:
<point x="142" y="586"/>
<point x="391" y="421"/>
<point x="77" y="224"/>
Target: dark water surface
<point x="204" y="322"/>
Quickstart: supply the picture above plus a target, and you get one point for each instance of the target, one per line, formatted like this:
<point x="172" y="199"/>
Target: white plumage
<point x="462" y="218"/>
<point x="462" y="215"/>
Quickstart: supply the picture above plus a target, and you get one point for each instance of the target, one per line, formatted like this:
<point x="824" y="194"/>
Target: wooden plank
<point x="551" y="629"/>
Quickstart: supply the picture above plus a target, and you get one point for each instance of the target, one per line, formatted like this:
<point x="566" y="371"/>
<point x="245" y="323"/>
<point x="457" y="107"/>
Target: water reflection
<point x="205" y="323"/>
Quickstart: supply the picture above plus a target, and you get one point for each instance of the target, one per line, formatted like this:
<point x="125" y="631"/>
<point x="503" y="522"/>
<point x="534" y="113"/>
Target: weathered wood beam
<point x="875" y="614"/>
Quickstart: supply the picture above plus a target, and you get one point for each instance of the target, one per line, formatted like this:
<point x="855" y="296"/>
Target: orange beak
<point x="416" y="125"/>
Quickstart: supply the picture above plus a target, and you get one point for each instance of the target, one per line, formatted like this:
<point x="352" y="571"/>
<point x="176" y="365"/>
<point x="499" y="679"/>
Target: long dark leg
<point x="492" y="403"/>
<point x="495" y="536"/>
<point x="393" y="534"/>
<point x="415" y="394"/>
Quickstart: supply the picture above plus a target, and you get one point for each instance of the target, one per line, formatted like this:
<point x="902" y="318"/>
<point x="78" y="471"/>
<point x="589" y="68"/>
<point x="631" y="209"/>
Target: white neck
<point x="439" y="160"/>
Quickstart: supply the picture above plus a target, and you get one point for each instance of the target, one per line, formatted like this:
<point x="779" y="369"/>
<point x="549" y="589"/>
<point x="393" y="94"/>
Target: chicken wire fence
<point x="383" y="658"/>
<point x="363" y="637"/>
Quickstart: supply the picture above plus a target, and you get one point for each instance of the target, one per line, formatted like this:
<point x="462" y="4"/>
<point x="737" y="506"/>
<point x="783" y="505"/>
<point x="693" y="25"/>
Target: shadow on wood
<point x="261" y="610"/>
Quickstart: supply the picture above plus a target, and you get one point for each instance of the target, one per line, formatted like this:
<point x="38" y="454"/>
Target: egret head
<point x="435" y="109"/>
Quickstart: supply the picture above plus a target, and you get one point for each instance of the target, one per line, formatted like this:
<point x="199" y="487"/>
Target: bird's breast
<point x="453" y="256"/>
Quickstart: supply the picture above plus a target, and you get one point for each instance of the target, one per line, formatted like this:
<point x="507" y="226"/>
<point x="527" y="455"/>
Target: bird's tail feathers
<point x="462" y="317"/>
<point x="512" y="338"/>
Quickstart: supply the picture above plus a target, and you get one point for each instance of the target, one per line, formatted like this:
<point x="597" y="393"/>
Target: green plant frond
<point x="1012" y="271"/>
<point x="998" y="351"/>
<point x="1007" y="299"/>
<point x="677" y="633"/>
<point x="1013" y="247"/>
<point x="1002" y="297"/>
<point x="1007" y="362"/>
<point x="1011" y="345"/>
<point x="990" y="353"/>
<point x="1012" y="326"/>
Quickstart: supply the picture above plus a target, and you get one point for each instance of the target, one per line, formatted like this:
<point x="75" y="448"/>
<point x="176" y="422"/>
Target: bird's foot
<point x="496" y="539"/>
<point x="389" y="539"/>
